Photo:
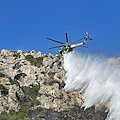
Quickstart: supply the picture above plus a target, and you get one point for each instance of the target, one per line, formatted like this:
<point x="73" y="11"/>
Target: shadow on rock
<point x="75" y="113"/>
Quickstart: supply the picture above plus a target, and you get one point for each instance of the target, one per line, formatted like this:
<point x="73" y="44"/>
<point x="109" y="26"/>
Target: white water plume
<point x="98" y="77"/>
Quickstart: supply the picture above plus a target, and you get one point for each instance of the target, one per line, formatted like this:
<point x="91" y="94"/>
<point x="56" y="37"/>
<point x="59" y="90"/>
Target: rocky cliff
<point x="32" y="87"/>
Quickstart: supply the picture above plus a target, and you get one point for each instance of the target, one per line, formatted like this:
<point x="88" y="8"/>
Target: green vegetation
<point x="42" y="113"/>
<point x="39" y="61"/>
<point x="2" y="75"/>
<point x="35" y="102"/>
<point x="31" y="91"/>
<point x="17" y="55"/>
<point x="29" y="58"/>
<point x="4" y="90"/>
<point x="13" y="81"/>
<point x="22" y="114"/>
<point x="24" y="108"/>
<point x="34" y="61"/>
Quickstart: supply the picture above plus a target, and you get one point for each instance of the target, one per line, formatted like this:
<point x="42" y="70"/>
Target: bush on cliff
<point x="31" y="91"/>
<point x="34" y="61"/>
<point x="3" y="89"/>
<point x="2" y="75"/>
<point x="22" y="114"/>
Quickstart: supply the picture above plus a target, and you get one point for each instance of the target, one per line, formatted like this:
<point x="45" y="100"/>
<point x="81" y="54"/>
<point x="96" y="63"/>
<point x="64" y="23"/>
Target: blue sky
<point x="25" y="24"/>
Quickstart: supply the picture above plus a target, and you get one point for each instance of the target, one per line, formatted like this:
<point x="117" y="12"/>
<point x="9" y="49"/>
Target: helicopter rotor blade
<point x="55" y="41"/>
<point x="77" y="40"/>
<point x="56" y="47"/>
<point x="66" y="38"/>
<point x="84" y="46"/>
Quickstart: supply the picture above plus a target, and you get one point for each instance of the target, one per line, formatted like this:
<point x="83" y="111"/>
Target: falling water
<point x="98" y="77"/>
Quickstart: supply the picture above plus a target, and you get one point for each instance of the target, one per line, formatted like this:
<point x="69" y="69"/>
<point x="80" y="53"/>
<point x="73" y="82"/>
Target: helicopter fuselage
<point x="69" y="48"/>
<point x="64" y="50"/>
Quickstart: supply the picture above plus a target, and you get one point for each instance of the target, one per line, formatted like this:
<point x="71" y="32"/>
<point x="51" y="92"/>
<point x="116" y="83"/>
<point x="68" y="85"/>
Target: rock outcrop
<point x="36" y="80"/>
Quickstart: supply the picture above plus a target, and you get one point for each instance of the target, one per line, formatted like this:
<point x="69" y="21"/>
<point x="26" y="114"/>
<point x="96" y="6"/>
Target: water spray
<point x="97" y="77"/>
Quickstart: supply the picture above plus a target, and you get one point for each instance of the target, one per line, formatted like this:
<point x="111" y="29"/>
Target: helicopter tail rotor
<point x="88" y="36"/>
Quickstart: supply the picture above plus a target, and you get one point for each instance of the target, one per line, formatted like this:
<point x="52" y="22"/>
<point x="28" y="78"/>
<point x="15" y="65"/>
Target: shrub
<point x="2" y="75"/>
<point x="13" y="81"/>
<point x="31" y="91"/>
<point x="35" y="102"/>
<point x="22" y="114"/>
<point x="39" y="61"/>
<point x="4" y="116"/>
<point x="24" y="108"/>
<point x="29" y="58"/>
<point x="42" y="113"/>
<point x="17" y="55"/>
<point x="4" y="90"/>
<point x="34" y="61"/>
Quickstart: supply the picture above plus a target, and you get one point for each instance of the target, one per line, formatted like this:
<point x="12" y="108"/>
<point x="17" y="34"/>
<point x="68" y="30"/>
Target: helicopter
<point x="67" y="47"/>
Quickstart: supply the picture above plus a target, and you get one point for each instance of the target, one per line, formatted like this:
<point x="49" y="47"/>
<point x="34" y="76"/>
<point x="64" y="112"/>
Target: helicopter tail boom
<point x="76" y="45"/>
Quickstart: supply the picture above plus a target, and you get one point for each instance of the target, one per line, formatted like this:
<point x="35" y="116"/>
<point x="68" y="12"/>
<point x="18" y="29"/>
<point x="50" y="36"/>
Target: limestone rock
<point x="6" y="52"/>
<point x="12" y="99"/>
<point x="1" y="107"/>
<point x="50" y="75"/>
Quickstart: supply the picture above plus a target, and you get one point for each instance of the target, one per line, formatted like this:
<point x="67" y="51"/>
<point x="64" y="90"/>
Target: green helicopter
<point x="66" y="47"/>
